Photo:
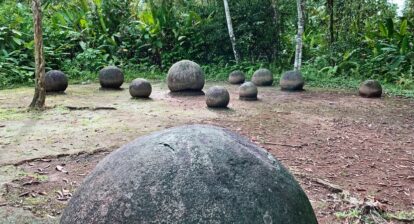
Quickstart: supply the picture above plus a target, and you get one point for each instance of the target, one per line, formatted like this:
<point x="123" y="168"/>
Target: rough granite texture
<point x="248" y="91"/>
<point x="190" y="174"/>
<point x="262" y="77"/>
<point x="370" y="89"/>
<point x="140" y="88"/>
<point x="292" y="81"/>
<point x="56" y="81"/>
<point x="185" y="76"/>
<point x="217" y="96"/>
<point x="111" y="77"/>
<point x="237" y="77"/>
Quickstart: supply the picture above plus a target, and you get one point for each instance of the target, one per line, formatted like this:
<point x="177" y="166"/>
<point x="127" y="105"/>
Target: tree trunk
<point x="299" y="44"/>
<point x="39" y="97"/>
<point x="231" y="32"/>
<point x="276" y="19"/>
<point x="331" y="21"/>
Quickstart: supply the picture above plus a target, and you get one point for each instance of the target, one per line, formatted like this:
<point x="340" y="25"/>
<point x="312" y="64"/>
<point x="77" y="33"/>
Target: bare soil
<point x="344" y="150"/>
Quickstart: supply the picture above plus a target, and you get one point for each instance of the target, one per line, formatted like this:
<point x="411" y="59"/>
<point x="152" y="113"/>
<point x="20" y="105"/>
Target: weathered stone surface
<point x="262" y="77"/>
<point x="190" y="174"/>
<point x="56" y="81"/>
<point x="111" y="77"/>
<point x="140" y="88"/>
<point x="185" y="76"/>
<point x="237" y="77"/>
<point x="292" y="81"/>
<point x="248" y="91"/>
<point x="370" y="89"/>
<point x="217" y="96"/>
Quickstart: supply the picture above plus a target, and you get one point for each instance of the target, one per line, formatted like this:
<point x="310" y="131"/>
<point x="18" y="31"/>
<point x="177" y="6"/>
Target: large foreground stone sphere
<point x="248" y="91"/>
<point x="189" y="174"/>
<point x="236" y="77"/>
<point x="292" y="81"/>
<point x="111" y="77"/>
<point x="370" y="89"/>
<point x="217" y="96"/>
<point x="56" y="81"/>
<point x="140" y="88"/>
<point x="262" y="77"/>
<point x="185" y="76"/>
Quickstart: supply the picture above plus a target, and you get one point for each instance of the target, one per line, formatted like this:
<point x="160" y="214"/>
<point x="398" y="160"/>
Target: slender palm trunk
<point x="231" y="32"/>
<point x="276" y="19"/>
<point x="39" y="97"/>
<point x="299" y="43"/>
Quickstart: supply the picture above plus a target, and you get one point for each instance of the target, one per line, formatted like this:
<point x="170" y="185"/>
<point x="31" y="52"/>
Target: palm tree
<point x="231" y="32"/>
<point x="299" y="44"/>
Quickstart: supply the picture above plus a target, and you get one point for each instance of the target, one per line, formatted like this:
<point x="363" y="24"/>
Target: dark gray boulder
<point x="370" y="89"/>
<point x="140" y="88"/>
<point x="292" y="81"/>
<point x="237" y="77"/>
<point x="262" y="77"/>
<point x="111" y="77"/>
<point x="189" y="174"/>
<point x="56" y="81"/>
<point x="185" y="76"/>
<point x="248" y="91"/>
<point x="217" y="96"/>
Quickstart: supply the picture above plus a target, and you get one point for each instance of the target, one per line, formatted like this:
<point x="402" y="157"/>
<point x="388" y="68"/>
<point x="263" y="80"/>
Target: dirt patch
<point x="365" y="147"/>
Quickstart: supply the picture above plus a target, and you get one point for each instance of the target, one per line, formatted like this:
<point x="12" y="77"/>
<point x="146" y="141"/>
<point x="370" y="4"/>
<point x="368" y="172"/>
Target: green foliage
<point x="146" y="37"/>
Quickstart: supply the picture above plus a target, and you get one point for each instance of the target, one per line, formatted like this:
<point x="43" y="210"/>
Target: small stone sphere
<point x="111" y="77"/>
<point x="140" y="88"/>
<point x="263" y="77"/>
<point x="292" y="81"/>
<point x="370" y="89"/>
<point x="236" y="77"/>
<point x="189" y="174"/>
<point x="217" y="96"/>
<point x="248" y="91"/>
<point x="56" y="81"/>
<point x="185" y="76"/>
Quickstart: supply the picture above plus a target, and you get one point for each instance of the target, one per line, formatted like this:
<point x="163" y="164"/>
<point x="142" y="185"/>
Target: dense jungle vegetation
<point x="344" y="41"/>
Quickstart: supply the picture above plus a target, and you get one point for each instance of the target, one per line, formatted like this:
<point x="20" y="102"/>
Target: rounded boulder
<point x="189" y="174"/>
<point x="140" y="88"/>
<point x="185" y="76"/>
<point x="111" y="77"/>
<point x="248" y="91"/>
<point x="217" y="96"/>
<point x="56" y="81"/>
<point x="237" y="77"/>
<point x="292" y="81"/>
<point x="370" y="89"/>
<point x="262" y="77"/>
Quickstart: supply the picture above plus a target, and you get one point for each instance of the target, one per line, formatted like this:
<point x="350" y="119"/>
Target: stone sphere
<point x="292" y="81"/>
<point x="140" y="88"/>
<point x="370" y="89"/>
<point x="185" y="76"/>
<point x="248" y="91"/>
<point x="56" y="81"/>
<point x="217" y="96"/>
<point x="111" y="77"/>
<point x="236" y="77"/>
<point x="189" y="174"/>
<point x="262" y="77"/>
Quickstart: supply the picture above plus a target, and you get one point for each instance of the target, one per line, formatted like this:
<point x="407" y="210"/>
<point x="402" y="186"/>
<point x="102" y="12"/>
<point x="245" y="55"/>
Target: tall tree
<point x="39" y="97"/>
<point x="301" y="27"/>
<point x="330" y="4"/>
<point x="231" y="32"/>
